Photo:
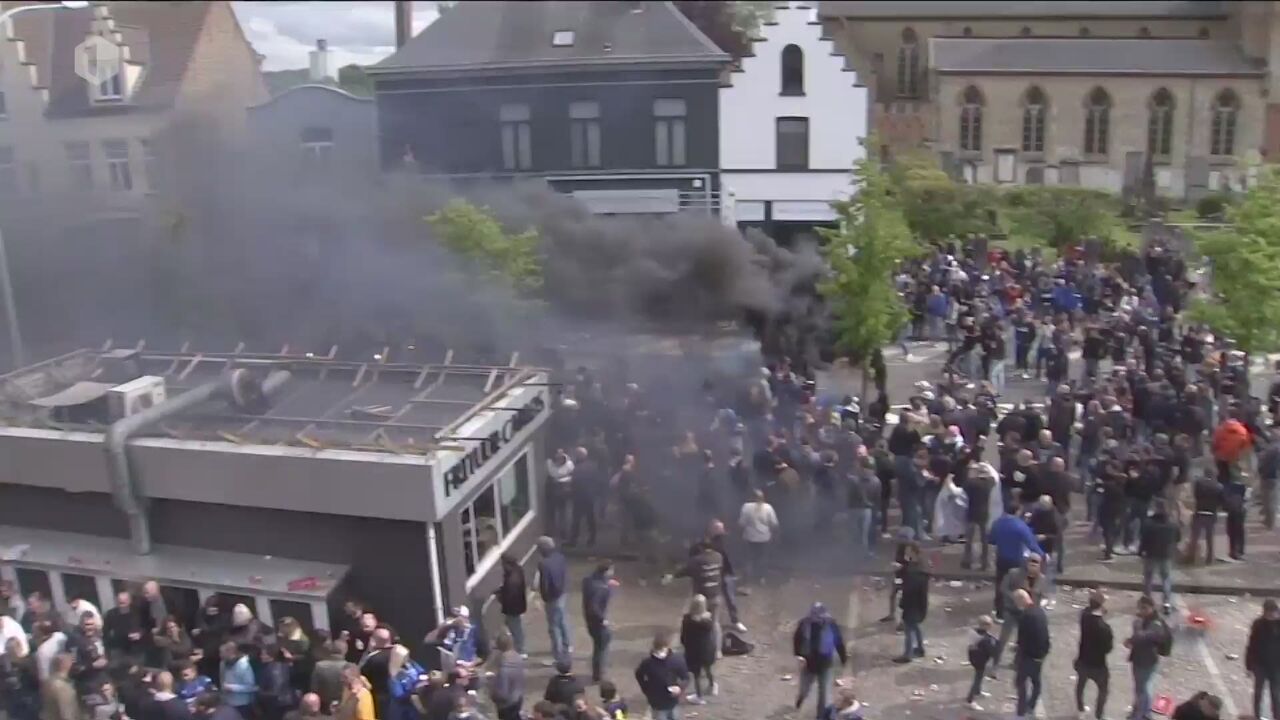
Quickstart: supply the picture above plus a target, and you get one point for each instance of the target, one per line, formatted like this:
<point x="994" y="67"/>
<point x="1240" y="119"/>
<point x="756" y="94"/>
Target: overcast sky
<point x="358" y="32"/>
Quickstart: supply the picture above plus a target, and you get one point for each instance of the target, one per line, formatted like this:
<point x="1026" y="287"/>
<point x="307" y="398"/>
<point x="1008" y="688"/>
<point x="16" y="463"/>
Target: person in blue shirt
<point x="597" y="591"/>
<point x="239" y="685"/>
<point x="191" y="684"/>
<point x="407" y="677"/>
<point x="1012" y="538"/>
<point x="458" y="636"/>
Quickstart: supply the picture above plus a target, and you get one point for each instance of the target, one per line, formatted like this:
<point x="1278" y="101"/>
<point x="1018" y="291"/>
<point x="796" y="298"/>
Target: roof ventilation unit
<point x="135" y="396"/>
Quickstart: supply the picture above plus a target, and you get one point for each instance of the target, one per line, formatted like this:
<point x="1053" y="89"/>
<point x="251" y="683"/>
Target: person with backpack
<point x="818" y="644"/>
<point x="981" y="649"/>
<point x="1151" y="640"/>
<point x="1096" y="642"/>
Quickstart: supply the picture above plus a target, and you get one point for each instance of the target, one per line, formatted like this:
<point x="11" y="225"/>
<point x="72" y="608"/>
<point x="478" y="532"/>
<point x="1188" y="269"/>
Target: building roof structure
<point x="505" y="36"/>
<point x="929" y="9"/>
<point x="1089" y="56"/>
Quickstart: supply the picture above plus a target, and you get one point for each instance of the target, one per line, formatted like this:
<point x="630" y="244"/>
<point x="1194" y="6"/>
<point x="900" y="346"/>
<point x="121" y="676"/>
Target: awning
<point x="78" y="394"/>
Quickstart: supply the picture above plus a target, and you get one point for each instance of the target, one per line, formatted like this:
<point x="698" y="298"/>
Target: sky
<point x="358" y="32"/>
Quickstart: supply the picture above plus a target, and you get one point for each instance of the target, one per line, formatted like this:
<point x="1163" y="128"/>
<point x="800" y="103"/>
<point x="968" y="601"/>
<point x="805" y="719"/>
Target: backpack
<point x="826" y="641"/>
<point x="1164" y="646"/>
<point x="980" y="651"/>
<point x="732" y="644"/>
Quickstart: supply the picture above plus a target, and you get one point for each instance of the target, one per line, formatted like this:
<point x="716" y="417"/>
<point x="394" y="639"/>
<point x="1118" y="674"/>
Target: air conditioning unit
<point x="135" y="396"/>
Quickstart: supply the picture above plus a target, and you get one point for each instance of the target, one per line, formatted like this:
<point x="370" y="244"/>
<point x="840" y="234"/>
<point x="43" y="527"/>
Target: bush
<point x="1211" y="206"/>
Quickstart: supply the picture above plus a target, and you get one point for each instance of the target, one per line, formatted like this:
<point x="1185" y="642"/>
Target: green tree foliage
<point x="1061" y="216"/>
<point x="473" y="234"/>
<point x="1244" y="300"/>
<point x="864" y="252"/>
<point x="730" y="25"/>
<point x="935" y="205"/>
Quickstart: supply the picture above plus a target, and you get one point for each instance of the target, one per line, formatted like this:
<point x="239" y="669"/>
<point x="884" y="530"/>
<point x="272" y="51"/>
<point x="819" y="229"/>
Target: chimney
<point x="320" y="62"/>
<point x="404" y="22"/>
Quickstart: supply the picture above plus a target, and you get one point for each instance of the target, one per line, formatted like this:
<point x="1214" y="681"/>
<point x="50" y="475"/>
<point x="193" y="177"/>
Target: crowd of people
<point x="1148" y="441"/>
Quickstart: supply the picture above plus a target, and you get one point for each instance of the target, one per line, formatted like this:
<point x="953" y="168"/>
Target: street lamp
<point x="6" y="283"/>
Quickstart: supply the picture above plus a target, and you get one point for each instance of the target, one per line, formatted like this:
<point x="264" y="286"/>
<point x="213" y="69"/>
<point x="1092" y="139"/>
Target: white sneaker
<point x="740" y="627"/>
<point x="695" y="700"/>
<point x="715" y="689"/>
<point x="974" y="707"/>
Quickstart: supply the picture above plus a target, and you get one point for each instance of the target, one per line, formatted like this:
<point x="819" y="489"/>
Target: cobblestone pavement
<point x="763" y="685"/>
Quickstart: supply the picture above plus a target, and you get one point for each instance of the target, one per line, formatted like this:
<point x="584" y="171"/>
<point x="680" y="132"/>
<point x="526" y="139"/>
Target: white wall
<point x="837" y="110"/>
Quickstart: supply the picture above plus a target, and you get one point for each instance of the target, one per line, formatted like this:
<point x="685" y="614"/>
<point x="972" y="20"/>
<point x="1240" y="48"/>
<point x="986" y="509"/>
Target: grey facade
<point x="318" y="133"/>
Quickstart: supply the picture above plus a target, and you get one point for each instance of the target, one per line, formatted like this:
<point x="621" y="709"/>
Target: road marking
<point x="1206" y="657"/>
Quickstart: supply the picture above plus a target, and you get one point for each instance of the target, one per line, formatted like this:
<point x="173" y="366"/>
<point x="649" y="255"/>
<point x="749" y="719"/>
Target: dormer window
<point x="562" y="38"/>
<point x="111" y="90"/>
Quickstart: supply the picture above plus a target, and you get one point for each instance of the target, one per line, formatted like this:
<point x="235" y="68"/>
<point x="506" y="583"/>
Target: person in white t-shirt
<point x="759" y="523"/>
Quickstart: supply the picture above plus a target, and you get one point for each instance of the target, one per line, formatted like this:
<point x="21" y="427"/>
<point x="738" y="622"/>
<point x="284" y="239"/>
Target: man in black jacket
<point x="122" y="629"/>
<point x="1033" y="647"/>
<point x="1096" y="642"/>
<point x="1158" y="542"/>
<point x="586" y="488"/>
<point x="597" y="591"/>
<point x="661" y="677"/>
<point x="817" y="644"/>
<point x="1262" y="657"/>
<point x="164" y="704"/>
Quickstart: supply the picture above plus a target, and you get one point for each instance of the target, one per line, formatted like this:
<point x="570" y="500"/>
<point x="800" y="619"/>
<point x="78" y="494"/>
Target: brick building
<point x="1073" y="93"/>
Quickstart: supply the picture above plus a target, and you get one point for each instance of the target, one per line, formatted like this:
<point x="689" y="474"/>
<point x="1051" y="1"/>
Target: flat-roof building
<point x="280" y="477"/>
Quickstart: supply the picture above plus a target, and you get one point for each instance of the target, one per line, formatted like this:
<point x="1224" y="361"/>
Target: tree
<point x="1062" y="216"/>
<point x="473" y="234"/>
<point x="1244" y="299"/>
<point x="354" y="80"/>
<point x="864" y="253"/>
<point x="730" y="25"/>
<point x="935" y="205"/>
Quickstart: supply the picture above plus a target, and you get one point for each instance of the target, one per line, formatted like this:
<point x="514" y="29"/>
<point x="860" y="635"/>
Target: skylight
<point x="562" y="38"/>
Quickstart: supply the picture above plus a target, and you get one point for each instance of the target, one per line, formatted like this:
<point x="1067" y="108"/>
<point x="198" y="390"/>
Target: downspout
<point x="129" y="496"/>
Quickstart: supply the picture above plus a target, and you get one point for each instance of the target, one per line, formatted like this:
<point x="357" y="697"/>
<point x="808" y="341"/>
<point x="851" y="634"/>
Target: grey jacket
<point x="506" y="687"/>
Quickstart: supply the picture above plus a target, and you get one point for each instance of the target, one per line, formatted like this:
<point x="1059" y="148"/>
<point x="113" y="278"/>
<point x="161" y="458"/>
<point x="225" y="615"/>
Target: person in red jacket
<point x="1231" y="440"/>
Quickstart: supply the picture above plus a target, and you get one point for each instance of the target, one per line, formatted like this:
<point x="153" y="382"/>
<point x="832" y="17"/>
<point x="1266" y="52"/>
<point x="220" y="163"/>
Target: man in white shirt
<point x="759" y="522"/>
<point x="559" y="478"/>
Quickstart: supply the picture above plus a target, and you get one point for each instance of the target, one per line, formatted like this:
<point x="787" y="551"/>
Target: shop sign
<point x="458" y="475"/>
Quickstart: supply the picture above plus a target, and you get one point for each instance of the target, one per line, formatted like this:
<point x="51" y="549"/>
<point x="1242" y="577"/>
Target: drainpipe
<point x="129" y="496"/>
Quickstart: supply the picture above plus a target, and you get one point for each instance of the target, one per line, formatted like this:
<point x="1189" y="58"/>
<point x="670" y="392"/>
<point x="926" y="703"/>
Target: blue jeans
<point x="1149" y="568"/>
<point x="912" y="639"/>
<point x="823" y="678"/>
<point x="862" y="528"/>
<point x="557" y="628"/>
<point x="1027" y="673"/>
<point x="672" y="714"/>
<point x="515" y="626"/>
<point x="1143" y="678"/>
<point x="997" y="375"/>
<point x="910" y="503"/>
<point x="601" y="636"/>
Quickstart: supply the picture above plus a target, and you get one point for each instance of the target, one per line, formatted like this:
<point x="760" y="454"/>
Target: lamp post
<point x="6" y="282"/>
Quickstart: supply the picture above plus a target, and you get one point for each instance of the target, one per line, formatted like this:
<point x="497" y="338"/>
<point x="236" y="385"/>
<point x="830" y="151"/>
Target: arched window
<point x="1160" y="123"/>
<point x="1035" y="108"/>
<point x="909" y="65"/>
<point x="971" y="120"/>
<point x="1222" y="140"/>
<point x="792" y="70"/>
<point x="1144" y="31"/>
<point x="1025" y="31"/>
<point x="1097" y="122"/>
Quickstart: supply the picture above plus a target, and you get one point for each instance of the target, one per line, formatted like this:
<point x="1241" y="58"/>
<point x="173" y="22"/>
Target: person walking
<point x="597" y="591"/>
<point x="1030" y="578"/>
<point x="1013" y="539"/>
<point x="1096" y="642"/>
<point x="1208" y="498"/>
<point x="820" y="652"/>
<point x="1262" y="657"/>
<point x="698" y="638"/>
<point x="513" y="600"/>
<point x="981" y="488"/>
<point x="237" y="679"/>
<point x="553" y="582"/>
<point x="982" y="649"/>
<point x="864" y="494"/>
<point x="1234" y="493"/>
<point x="1269" y="476"/>
<point x="758" y="522"/>
<point x="1159" y="541"/>
<point x="1149" y="641"/>
<point x="914" y="602"/>
<point x="1033" y="647"/>
<point x="661" y="677"/>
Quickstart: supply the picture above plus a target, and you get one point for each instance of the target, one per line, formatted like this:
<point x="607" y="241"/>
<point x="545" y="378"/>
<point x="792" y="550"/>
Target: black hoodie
<point x="1096" y="640"/>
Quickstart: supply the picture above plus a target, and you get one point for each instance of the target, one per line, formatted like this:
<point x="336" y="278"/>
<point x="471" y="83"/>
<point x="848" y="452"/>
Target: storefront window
<point x="488" y="521"/>
<point x="514" y="493"/>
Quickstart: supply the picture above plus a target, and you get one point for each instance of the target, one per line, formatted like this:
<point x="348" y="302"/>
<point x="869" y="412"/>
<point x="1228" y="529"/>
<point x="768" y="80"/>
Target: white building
<point x="791" y="126"/>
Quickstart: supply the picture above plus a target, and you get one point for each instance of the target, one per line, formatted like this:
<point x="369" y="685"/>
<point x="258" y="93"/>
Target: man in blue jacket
<point x="818" y="644"/>
<point x="1012" y="538"/>
<point x="553" y="583"/>
<point x="597" y="591"/>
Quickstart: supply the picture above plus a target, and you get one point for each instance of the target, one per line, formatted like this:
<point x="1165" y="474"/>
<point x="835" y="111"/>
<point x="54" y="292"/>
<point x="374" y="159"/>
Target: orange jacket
<point x="1230" y="441"/>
